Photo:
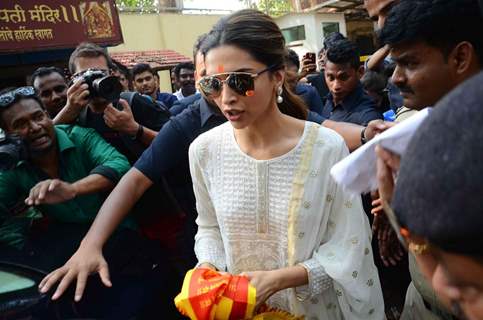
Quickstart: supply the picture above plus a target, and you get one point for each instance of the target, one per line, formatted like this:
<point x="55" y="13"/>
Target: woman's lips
<point x="233" y="115"/>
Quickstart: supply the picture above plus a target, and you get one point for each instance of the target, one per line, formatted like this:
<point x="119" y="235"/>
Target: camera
<point x="12" y="150"/>
<point x="101" y="84"/>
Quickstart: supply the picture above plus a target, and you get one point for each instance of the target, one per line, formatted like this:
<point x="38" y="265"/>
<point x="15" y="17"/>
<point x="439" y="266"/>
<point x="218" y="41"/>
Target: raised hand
<point x="51" y="191"/>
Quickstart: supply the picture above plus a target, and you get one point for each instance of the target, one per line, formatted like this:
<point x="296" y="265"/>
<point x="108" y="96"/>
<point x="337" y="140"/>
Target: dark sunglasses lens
<point x="241" y="83"/>
<point x="211" y="86"/>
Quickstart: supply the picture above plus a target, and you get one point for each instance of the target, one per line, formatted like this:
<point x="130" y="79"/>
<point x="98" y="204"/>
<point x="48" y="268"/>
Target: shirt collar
<point x="207" y="111"/>
<point x="63" y="140"/>
<point x="351" y="101"/>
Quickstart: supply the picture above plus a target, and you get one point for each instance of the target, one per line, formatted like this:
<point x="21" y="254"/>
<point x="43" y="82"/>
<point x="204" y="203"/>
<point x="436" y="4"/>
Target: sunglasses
<point x="9" y="97"/>
<point x="243" y="83"/>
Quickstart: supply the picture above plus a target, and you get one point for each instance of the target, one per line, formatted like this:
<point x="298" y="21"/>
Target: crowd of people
<point x="114" y="190"/>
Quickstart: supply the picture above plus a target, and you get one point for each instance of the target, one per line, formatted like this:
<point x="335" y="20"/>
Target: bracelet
<point x="139" y="133"/>
<point x="363" y="136"/>
<point x="303" y="296"/>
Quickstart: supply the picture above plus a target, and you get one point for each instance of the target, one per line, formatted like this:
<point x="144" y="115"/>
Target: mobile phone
<point x="310" y="56"/>
<point x="309" y="59"/>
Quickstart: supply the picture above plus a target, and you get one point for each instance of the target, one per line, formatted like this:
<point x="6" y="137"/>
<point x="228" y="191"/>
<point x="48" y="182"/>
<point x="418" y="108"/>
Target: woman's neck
<point x="272" y="135"/>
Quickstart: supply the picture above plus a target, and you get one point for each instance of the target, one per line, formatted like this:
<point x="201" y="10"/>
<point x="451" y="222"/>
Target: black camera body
<point x="101" y="84"/>
<point x="12" y="151"/>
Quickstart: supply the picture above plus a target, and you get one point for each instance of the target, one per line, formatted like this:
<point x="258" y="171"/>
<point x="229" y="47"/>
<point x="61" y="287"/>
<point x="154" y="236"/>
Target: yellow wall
<point x="163" y="31"/>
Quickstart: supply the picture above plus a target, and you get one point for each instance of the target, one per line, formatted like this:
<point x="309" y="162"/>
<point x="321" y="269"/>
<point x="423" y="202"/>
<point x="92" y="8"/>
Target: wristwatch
<point x="139" y="133"/>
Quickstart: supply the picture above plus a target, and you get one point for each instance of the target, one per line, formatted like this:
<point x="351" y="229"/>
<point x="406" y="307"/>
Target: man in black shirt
<point x="130" y="127"/>
<point x="317" y="80"/>
<point x="347" y="100"/>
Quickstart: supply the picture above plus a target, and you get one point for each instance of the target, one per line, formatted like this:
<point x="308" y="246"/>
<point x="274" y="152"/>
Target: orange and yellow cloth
<point x="210" y="295"/>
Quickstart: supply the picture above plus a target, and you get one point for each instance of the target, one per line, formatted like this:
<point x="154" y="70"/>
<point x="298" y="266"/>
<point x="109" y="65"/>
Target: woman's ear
<point x="279" y="76"/>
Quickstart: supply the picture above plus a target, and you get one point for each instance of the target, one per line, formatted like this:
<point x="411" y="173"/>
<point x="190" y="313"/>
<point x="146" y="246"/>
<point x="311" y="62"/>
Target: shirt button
<point x="307" y="205"/>
<point x="301" y="235"/>
<point x="313" y="174"/>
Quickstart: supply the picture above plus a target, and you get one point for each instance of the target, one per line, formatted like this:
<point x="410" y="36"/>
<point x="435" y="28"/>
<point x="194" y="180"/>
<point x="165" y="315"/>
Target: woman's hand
<point x="265" y="282"/>
<point x="85" y="261"/>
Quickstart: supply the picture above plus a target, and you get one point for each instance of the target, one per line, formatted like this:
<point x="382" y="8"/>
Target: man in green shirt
<point x="49" y="199"/>
<point x="65" y="174"/>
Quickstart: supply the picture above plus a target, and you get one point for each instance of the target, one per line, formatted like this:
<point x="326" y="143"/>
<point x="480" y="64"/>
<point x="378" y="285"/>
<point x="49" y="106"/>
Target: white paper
<point x="357" y="172"/>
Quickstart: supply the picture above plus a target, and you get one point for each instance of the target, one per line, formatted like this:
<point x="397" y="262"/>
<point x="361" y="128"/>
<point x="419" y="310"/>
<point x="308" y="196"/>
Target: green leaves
<point x="270" y="7"/>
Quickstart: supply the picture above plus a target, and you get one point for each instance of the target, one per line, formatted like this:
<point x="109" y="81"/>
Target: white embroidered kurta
<point x="269" y="214"/>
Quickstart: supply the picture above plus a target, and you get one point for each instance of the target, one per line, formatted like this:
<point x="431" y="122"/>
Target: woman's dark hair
<point x="257" y="34"/>
<point x="197" y="46"/>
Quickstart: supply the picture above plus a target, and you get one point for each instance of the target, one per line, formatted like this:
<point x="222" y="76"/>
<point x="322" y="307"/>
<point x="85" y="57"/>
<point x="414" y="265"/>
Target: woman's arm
<point x="269" y="282"/>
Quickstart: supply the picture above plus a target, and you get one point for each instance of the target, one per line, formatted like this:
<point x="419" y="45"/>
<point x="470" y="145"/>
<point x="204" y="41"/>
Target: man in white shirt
<point x="184" y="74"/>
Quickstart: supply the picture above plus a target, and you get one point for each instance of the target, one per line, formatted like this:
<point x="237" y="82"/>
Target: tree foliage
<point x="270" y="7"/>
<point x="146" y="5"/>
<point x="136" y="4"/>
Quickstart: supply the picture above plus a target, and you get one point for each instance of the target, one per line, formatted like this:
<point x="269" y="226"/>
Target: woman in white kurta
<point x="267" y="206"/>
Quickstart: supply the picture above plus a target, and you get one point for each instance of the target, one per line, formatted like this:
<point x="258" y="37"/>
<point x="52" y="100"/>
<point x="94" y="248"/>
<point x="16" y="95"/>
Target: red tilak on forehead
<point x="221" y="68"/>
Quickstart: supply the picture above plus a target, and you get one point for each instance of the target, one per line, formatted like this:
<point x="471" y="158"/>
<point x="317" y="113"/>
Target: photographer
<point x="129" y="125"/>
<point x="52" y="184"/>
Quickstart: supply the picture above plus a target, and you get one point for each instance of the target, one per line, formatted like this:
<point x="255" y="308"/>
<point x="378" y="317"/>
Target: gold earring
<point x="418" y="249"/>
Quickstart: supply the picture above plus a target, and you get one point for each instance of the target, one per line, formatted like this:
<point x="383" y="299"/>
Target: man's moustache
<point x="406" y="89"/>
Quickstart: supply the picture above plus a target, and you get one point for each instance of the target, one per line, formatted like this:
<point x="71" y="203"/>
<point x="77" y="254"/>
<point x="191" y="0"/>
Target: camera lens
<point x="108" y="88"/>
